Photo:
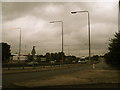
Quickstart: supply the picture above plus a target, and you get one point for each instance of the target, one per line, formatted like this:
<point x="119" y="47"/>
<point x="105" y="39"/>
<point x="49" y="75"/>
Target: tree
<point x="113" y="56"/>
<point x="54" y="56"/>
<point x="95" y="57"/>
<point x="5" y="52"/>
<point x="48" y="57"/>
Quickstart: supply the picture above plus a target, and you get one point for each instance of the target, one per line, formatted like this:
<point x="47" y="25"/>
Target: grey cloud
<point x="15" y="10"/>
<point x="35" y="18"/>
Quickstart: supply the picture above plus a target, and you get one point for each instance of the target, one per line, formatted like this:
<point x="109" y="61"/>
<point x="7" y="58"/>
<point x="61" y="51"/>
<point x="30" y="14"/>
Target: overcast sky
<point x="34" y="20"/>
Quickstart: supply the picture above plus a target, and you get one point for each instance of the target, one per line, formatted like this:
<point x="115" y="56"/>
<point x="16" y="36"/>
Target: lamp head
<point x="73" y="12"/>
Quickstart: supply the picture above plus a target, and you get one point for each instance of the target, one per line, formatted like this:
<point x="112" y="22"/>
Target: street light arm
<point x="52" y="22"/>
<point x="55" y="21"/>
<point x="82" y="11"/>
<point x="78" y="12"/>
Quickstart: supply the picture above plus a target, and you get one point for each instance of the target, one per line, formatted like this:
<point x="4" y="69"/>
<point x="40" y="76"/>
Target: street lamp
<point x="88" y="29"/>
<point x="19" y="45"/>
<point x="62" y="34"/>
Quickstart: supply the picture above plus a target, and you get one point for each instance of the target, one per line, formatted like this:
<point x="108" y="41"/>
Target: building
<point x="43" y="59"/>
<point x="16" y="58"/>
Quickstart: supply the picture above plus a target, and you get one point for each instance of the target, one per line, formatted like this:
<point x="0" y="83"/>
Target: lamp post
<point x="19" y="52"/>
<point x="88" y="29"/>
<point x="118" y="32"/>
<point x="62" y="34"/>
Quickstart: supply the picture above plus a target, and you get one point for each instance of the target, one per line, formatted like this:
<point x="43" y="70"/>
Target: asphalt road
<point x="8" y="80"/>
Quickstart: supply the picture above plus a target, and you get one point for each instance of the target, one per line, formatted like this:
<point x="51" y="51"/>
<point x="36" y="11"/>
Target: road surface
<point x="9" y="79"/>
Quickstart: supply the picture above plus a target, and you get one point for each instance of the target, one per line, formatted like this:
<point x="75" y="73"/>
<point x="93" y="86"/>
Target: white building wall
<point x="21" y="57"/>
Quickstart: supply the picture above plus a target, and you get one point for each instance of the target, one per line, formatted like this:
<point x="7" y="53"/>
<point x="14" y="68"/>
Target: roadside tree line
<point x="113" y="55"/>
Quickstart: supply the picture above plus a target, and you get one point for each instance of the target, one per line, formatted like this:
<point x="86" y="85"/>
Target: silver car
<point x="32" y="63"/>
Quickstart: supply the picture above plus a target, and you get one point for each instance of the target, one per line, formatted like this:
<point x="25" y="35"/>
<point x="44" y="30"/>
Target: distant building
<point x="43" y="59"/>
<point x="22" y="58"/>
<point x="16" y="57"/>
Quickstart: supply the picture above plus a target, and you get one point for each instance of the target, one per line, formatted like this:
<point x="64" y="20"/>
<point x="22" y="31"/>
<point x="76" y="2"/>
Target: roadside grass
<point x="39" y="68"/>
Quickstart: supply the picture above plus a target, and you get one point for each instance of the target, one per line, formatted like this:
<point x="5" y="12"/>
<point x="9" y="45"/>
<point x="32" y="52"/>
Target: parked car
<point x="52" y="62"/>
<point x="32" y="63"/>
<point x="82" y="61"/>
<point x="73" y="61"/>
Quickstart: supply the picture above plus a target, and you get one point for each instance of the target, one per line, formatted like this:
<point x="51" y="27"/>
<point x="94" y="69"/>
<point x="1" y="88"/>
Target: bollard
<point x="93" y="66"/>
